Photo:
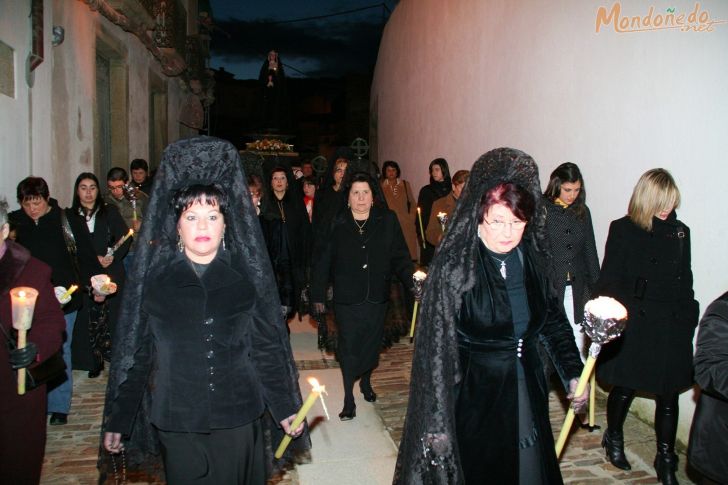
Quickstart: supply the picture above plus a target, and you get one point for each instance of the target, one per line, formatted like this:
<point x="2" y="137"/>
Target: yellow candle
<point x="301" y="415"/>
<point x="588" y="368"/>
<point x="422" y="228"/>
<point x="592" y="398"/>
<point x="23" y="300"/>
<point x="414" y="319"/>
<point x="68" y="292"/>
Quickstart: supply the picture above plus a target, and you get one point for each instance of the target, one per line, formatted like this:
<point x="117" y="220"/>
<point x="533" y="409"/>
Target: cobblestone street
<point x="72" y="449"/>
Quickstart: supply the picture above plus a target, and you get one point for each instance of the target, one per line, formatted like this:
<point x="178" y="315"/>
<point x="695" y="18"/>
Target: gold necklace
<point x="361" y="228"/>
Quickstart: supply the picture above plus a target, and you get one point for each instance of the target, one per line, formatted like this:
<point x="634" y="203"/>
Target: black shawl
<point x="204" y="160"/>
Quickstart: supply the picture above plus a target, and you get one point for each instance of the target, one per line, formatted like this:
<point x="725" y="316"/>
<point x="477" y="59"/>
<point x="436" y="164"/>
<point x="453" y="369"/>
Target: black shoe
<point x="369" y="395"/>
<point x="613" y="444"/>
<point x="347" y="414"/>
<point x="665" y="466"/>
<point x="58" y="419"/>
<point x="92" y="374"/>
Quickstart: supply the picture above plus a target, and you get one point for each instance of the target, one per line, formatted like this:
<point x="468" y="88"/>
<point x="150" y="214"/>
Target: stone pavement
<point x="71" y="450"/>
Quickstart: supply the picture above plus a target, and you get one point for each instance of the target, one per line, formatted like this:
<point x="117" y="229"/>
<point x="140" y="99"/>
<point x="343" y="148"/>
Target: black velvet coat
<point x="649" y="273"/>
<point x="486" y="336"/>
<point x="708" y="450"/>
<point x="208" y="358"/>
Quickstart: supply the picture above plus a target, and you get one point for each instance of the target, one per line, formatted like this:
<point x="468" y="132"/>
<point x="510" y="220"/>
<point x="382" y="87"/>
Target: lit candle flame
<point x="321" y="390"/>
<point x="420" y="275"/>
<point x="21" y="294"/>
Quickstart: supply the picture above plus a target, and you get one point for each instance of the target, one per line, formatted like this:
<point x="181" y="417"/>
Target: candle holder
<point x="418" y="281"/>
<point x="23" y="300"/>
<point x="604" y="320"/>
<point x="443" y="218"/>
<point x="132" y="195"/>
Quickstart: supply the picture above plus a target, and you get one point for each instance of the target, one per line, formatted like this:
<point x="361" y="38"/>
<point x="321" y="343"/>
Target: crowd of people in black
<point x="210" y="262"/>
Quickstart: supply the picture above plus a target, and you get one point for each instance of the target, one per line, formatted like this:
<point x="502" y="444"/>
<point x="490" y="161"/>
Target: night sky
<point x="324" y="47"/>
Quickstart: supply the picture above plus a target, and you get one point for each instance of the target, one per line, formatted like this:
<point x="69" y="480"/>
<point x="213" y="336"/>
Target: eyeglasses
<point x="500" y="225"/>
<point x="115" y="187"/>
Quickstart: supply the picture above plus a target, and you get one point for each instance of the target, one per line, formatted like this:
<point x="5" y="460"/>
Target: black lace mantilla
<point x="428" y="452"/>
<point x="195" y="160"/>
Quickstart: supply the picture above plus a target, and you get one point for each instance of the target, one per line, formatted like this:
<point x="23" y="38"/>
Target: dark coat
<point x="23" y="418"/>
<point x="573" y="253"/>
<point x="649" y="273"/>
<point x="210" y="360"/>
<point x="488" y="344"/>
<point x="45" y="241"/>
<point x="361" y="268"/>
<point x="427" y="196"/>
<point x="108" y="229"/>
<point x="288" y="244"/>
<point x="708" y="451"/>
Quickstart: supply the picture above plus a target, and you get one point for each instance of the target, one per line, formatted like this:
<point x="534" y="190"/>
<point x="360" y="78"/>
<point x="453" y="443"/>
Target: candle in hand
<point x="68" y="292"/>
<point x="301" y="415"/>
<point x="23" y="300"/>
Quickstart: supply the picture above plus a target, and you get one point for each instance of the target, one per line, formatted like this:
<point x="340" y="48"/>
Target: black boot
<point x="613" y="444"/>
<point x="618" y="405"/>
<point x="665" y="466"/>
<point x="666" y="416"/>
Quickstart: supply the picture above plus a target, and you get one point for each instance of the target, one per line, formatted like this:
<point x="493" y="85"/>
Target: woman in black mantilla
<point x="364" y="247"/>
<point x="202" y="375"/>
<point x="478" y="409"/>
<point x="440" y="185"/>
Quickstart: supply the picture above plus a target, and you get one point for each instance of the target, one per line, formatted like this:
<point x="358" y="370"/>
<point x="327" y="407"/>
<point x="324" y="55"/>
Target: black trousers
<point x="224" y="456"/>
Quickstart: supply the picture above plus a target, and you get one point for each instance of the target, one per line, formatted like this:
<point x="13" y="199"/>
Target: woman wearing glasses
<point x="478" y="409"/>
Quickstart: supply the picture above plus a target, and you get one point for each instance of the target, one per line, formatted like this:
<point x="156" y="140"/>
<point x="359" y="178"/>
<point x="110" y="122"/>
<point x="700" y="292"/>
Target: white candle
<point x="23" y="300"/>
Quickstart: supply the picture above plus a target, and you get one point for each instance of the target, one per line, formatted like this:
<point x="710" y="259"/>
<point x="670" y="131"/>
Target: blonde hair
<point x="655" y="191"/>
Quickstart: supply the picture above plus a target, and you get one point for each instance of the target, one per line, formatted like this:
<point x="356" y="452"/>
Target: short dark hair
<point x="391" y="163"/>
<point x="309" y="181"/>
<point x="510" y="195"/>
<point x="277" y="169"/>
<point x="32" y="187"/>
<point x="116" y="174"/>
<point x="212" y="194"/>
<point x="138" y="163"/>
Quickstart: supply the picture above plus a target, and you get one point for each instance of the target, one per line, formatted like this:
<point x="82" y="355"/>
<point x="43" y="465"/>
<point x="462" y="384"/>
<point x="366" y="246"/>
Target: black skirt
<point x="360" y="331"/>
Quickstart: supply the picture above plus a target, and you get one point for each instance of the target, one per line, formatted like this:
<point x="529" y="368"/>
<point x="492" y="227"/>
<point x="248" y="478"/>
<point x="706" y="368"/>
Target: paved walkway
<point x="362" y="451"/>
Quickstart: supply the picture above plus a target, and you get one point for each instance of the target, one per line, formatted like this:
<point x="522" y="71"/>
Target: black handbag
<point x="50" y="370"/>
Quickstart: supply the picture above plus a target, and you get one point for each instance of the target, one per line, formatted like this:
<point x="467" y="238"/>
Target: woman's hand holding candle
<point x="286" y="425"/>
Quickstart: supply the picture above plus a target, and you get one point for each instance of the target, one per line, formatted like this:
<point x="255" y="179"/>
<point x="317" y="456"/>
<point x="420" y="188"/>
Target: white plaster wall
<point x="455" y="79"/>
<point x="48" y="130"/>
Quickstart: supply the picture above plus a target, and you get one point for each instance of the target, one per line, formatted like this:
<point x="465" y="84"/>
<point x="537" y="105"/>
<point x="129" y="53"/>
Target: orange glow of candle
<point x="23" y="300"/>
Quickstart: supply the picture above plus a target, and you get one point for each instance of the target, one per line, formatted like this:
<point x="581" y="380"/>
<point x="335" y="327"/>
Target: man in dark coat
<point x="708" y="451"/>
<point x="23" y="418"/>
